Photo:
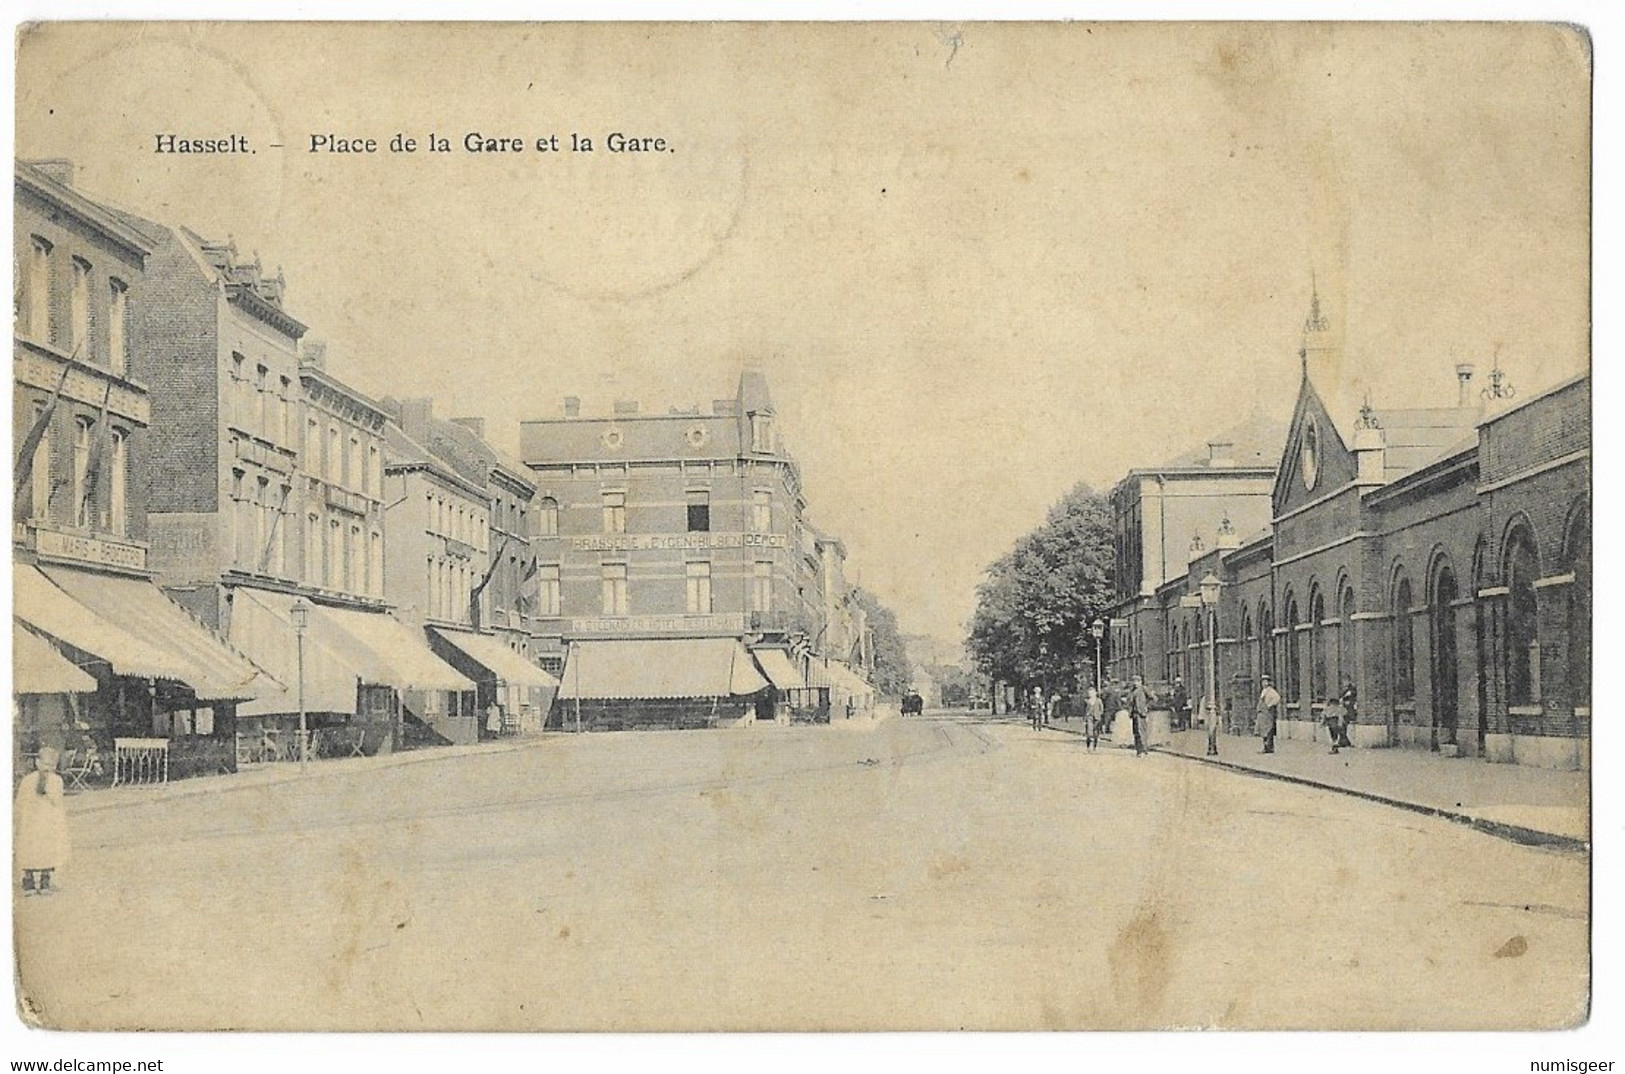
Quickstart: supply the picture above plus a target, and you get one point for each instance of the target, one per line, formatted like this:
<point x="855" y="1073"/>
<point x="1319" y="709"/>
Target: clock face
<point x="1311" y="453"/>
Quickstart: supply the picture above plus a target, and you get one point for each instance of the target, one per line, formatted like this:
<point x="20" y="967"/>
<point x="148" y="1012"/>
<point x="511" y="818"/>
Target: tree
<point x="892" y="673"/>
<point x="1033" y="610"/>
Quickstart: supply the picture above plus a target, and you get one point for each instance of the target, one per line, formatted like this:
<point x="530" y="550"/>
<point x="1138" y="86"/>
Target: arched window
<point x="1523" y="624"/>
<point x="1266" y="640"/>
<point x="1317" y="646"/>
<point x="1577" y="561"/>
<point x="1345" y="641"/>
<point x="1294" y="668"/>
<point x="1245" y="655"/>
<point x="1404" y="654"/>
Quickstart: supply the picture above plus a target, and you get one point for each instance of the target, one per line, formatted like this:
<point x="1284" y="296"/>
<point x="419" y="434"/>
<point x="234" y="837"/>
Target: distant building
<point x="102" y="652"/>
<point x="657" y="529"/>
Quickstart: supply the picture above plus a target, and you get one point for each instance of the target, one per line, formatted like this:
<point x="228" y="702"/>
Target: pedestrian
<point x="1182" y="704"/>
<point x="1334" y="722"/>
<point x="42" y="824"/>
<point x="1139" y="707"/>
<point x="1094" y="714"/>
<point x="1269" y="710"/>
<point x="1349" y="700"/>
<point x="1212" y="717"/>
<point x="1037" y="710"/>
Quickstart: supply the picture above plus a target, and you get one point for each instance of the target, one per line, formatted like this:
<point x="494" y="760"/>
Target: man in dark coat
<point x="1139" y="707"/>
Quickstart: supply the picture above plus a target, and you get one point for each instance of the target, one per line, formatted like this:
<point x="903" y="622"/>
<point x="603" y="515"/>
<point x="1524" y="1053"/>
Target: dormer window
<point x="761" y="432"/>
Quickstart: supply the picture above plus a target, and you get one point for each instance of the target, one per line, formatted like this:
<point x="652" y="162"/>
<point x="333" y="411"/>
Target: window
<point x="352" y="464"/>
<point x="761" y="432"/>
<point x="614" y="579"/>
<point x="375" y="564"/>
<point x="354" y="561"/>
<point x="39" y="290"/>
<point x="238" y="399"/>
<point x="549" y="589"/>
<point x="285" y="412"/>
<point x="82" y="432"/>
<point x="371" y="480"/>
<point x="432" y="589"/>
<point x="1523" y="625"/>
<point x="118" y="315"/>
<point x="262" y="400"/>
<point x="614" y="512"/>
<point x="699" y="588"/>
<point x="1294" y="669"/>
<point x="312" y="444"/>
<point x="1317" y="647"/>
<point x="332" y="463"/>
<point x="262" y="523"/>
<point x="79" y="308"/>
<point x="118" y="489"/>
<point x="41" y="492"/>
<point x="1266" y="640"/>
<point x="1577" y="558"/>
<point x="313" y="550"/>
<point x="699" y="511"/>
<point x="333" y="555"/>
<point x="1404" y="655"/>
<point x="761" y="511"/>
<point x="240" y="520"/>
<point x="547" y="518"/>
<point x="761" y="594"/>
<point x="1345" y="642"/>
<point x="279" y="527"/>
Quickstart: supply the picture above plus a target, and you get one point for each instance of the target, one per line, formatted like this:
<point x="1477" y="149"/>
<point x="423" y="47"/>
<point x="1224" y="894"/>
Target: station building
<point x="1435" y="558"/>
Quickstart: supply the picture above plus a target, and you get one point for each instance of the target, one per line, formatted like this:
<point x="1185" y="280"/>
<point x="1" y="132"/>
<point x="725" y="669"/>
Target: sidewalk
<point x="266" y="775"/>
<point x="1536" y="806"/>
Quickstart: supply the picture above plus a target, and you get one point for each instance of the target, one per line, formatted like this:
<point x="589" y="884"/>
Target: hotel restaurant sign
<point x="723" y="623"/>
<point x="60" y="547"/>
<point x="651" y="542"/>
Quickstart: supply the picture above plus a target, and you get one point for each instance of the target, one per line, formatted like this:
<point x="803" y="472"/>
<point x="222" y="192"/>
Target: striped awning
<point x="489" y="652"/>
<point x="659" y="668"/>
<point x="47" y="608"/>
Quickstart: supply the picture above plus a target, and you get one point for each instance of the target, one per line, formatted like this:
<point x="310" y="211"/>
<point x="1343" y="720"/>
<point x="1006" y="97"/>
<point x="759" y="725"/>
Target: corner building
<point x="684" y="527"/>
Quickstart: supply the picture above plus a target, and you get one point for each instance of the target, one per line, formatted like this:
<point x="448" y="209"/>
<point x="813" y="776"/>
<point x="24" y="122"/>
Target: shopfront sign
<point x="651" y="542"/>
<point x="97" y="551"/>
<point x="730" y="623"/>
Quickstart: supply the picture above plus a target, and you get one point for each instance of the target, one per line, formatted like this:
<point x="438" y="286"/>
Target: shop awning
<point x="779" y="670"/>
<point x="44" y="606"/>
<point x="37" y="668"/>
<point x="488" y="651"/>
<point x="659" y="668"/>
<point x="344" y="648"/>
<point x="836" y="677"/>
<point x="218" y="673"/>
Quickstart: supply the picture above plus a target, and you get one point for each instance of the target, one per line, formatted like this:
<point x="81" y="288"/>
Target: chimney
<point x="1370" y="444"/>
<point x="58" y="168"/>
<point x="1464" y="384"/>
<point x="572" y="406"/>
<point x="313" y="353"/>
<point x="1220" y="453"/>
<point x="625" y="407"/>
<point x="415" y="415"/>
<point x="473" y="425"/>
<point x="1228" y="539"/>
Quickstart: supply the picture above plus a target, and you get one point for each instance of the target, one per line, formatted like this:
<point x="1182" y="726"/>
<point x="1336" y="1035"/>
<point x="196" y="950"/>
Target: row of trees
<point x="1037" y="601"/>
<point x="892" y="674"/>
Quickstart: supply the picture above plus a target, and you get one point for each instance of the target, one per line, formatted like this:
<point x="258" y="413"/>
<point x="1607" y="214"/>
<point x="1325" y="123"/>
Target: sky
<point x="978" y="263"/>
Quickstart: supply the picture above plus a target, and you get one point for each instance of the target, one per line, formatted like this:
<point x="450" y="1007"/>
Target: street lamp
<point x="300" y="614"/>
<point x="1210" y="602"/>
<point x="1098" y="629"/>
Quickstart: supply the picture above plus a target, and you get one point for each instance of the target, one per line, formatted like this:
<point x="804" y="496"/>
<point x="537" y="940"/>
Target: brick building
<point x="284" y="513"/>
<point x="686" y="526"/>
<point x="131" y="662"/>
<point x="1435" y="558"/>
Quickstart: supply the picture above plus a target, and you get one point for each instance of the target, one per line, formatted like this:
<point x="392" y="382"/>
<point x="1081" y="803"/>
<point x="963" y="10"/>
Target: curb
<point x="1515" y="833"/>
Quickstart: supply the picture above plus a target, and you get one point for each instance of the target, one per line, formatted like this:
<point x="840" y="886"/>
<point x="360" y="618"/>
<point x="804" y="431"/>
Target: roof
<point x="1255" y="442"/>
<point x="37" y="668"/>
<point x="489" y="652"/>
<point x="109" y="221"/>
<point x="403" y="451"/>
<point x="1413" y="439"/>
<point x="659" y="668"/>
<point x="215" y="671"/>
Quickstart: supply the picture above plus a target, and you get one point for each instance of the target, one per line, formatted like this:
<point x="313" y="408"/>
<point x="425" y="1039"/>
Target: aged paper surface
<point x="977" y="264"/>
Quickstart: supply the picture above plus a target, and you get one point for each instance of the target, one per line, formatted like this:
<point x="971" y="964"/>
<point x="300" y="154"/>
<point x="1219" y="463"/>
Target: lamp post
<point x="1098" y="629"/>
<point x="1210" y="604"/>
<point x="300" y="614"/>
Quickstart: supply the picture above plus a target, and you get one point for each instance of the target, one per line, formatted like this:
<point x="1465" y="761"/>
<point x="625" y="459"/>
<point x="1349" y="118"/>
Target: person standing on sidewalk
<point x="1349" y="700"/>
<point x="1139" y="706"/>
<point x="42" y="824"/>
<point x="1269" y="709"/>
<point x="1094" y="714"/>
<point x="1334" y="722"/>
<point x="1182" y="705"/>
